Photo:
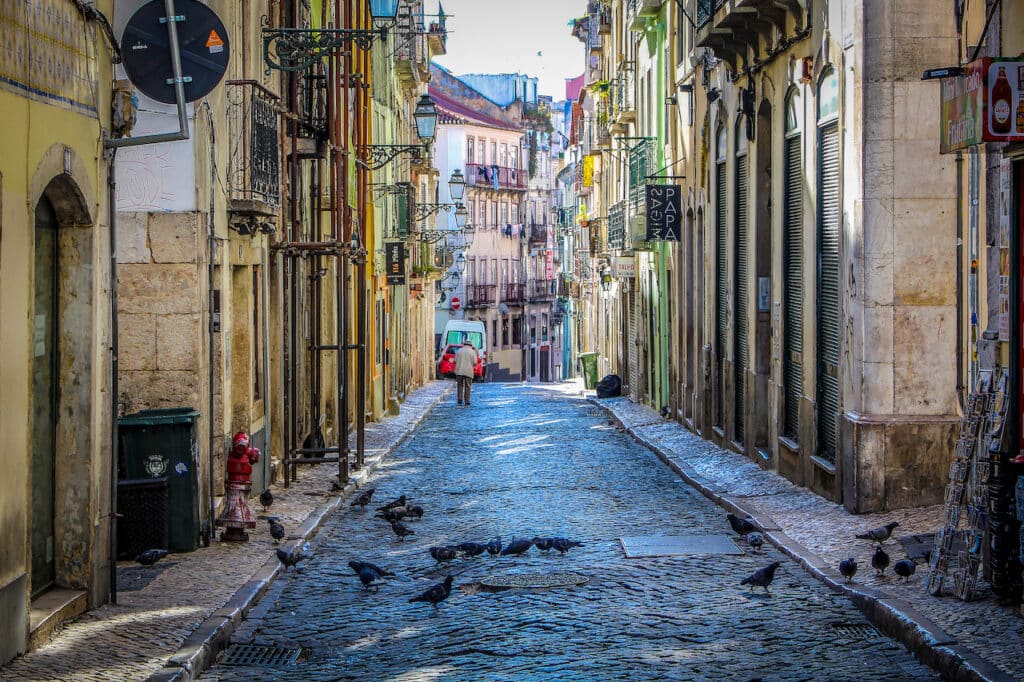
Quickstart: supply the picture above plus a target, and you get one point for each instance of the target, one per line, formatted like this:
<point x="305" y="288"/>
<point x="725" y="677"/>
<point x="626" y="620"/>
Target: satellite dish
<point x="202" y="42"/>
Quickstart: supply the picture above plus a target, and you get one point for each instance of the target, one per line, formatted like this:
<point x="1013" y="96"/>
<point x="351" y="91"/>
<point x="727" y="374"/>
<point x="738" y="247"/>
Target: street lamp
<point x="457" y="186"/>
<point x="426" y="119"/>
<point x="384" y="10"/>
<point x="461" y="217"/>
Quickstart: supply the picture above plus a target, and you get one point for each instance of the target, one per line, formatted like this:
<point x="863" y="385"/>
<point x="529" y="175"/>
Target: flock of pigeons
<point x="904" y="568"/>
<point x="847" y="567"/>
<point x="394" y="512"/>
<point x="397" y="510"/>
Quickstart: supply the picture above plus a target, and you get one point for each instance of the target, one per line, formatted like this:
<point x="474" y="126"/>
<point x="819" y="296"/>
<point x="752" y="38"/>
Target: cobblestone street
<point x="525" y="461"/>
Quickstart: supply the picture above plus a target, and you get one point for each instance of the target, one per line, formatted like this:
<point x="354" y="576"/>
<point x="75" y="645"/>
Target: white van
<point x="460" y="331"/>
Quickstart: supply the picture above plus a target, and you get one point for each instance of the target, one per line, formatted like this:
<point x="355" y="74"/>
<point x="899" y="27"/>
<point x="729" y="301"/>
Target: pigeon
<point x="151" y="556"/>
<point x="471" y="548"/>
<point x="741" y="526"/>
<point x="362" y="499"/>
<point x="848" y="567"/>
<point x="400" y="502"/>
<point x="880" y="560"/>
<point x="494" y="546"/>
<point x="276" y="530"/>
<point x="442" y="554"/>
<point x="336" y="487"/>
<point x="436" y="594"/>
<point x="904" y="568"/>
<point x="393" y="514"/>
<point x="880" y="534"/>
<point x="563" y="544"/>
<point x="368" y="573"/>
<point x="543" y="544"/>
<point x="414" y="511"/>
<point x="293" y="557"/>
<point x="755" y="540"/>
<point x="762" y="577"/>
<point x="517" y="546"/>
<point x="266" y="499"/>
<point x="401" y="530"/>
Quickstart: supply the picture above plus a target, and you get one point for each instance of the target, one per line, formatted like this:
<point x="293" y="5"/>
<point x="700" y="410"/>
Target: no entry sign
<point x="456" y="303"/>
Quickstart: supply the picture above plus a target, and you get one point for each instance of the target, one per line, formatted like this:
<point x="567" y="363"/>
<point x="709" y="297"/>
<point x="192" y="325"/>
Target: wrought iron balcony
<point x="623" y="102"/>
<point x="734" y="27"/>
<point x="254" y="166"/>
<point x="541" y="290"/>
<point x="309" y="103"/>
<point x="514" y="294"/>
<point x="495" y="177"/>
<point x="538" y="235"/>
<point x="480" y="295"/>
<point x="412" y="62"/>
<point x="617" y="225"/>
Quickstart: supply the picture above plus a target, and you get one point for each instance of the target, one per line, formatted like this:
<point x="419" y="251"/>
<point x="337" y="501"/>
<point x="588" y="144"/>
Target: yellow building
<point x="55" y="76"/>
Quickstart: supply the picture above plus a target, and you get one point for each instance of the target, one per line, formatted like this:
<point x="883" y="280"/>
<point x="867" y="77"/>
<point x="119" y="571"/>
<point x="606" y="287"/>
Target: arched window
<point x="828" y="217"/>
<point x="741" y="355"/>
<point x="792" y="269"/>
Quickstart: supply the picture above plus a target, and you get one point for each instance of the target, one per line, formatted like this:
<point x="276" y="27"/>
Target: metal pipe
<point x="959" y="355"/>
<point x="342" y="219"/>
<point x="114" y="435"/>
<point x="210" y="279"/>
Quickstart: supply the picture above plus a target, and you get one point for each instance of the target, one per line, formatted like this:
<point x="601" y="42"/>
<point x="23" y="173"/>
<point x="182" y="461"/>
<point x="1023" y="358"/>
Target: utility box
<point x="164" y="444"/>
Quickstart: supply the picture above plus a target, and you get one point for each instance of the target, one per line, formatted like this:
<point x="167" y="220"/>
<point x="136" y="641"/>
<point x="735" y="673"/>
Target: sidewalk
<point x="978" y="640"/>
<point x="176" y="616"/>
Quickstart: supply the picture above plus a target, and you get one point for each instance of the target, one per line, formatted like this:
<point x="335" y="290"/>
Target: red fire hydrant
<point x="236" y="516"/>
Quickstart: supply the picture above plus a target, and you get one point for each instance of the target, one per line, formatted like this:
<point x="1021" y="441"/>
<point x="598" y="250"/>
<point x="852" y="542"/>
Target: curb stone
<point x="892" y="616"/>
<point x="201" y="648"/>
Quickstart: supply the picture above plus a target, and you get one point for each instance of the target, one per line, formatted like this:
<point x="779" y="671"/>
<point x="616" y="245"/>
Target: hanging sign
<point x="624" y="267"/>
<point x="664" y="212"/>
<point x="394" y="253"/>
<point x="985" y="104"/>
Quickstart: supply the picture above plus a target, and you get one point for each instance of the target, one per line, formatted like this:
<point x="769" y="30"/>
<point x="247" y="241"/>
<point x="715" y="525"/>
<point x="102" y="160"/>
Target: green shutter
<point x="721" y="295"/>
<point x="828" y="291"/>
<point x="792" y="299"/>
<point x="740" y="300"/>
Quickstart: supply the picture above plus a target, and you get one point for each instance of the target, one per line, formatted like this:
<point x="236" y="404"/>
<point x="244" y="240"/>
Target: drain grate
<point x="256" y="656"/>
<point x="855" y="630"/>
<point x="534" y="580"/>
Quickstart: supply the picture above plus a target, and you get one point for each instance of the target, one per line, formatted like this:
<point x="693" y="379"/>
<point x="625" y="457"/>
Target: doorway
<point x="763" y="270"/>
<point x="44" y="395"/>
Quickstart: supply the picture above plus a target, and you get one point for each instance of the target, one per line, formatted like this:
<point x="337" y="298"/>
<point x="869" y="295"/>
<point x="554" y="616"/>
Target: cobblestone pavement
<point x="992" y="631"/>
<point x="525" y="460"/>
<point x="132" y="640"/>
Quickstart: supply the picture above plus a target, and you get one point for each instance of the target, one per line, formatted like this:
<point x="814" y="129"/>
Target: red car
<point x="446" y="365"/>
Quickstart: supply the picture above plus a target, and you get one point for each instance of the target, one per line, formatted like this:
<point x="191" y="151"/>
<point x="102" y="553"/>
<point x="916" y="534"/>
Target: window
<point x="513" y="157"/>
<point x="470" y="145"/>
<point x="504" y="213"/>
<point x="482" y="214"/>
<point x="480" y="146"/>
<point x="792" y="268"/>
<point x="514" y="215"/>
<point x="470" y="209"/>
<point x="494" y="213"/>
<point x="494" y="333"/>
<point x="504" y="331"/>
<point x="517" y="331"/>
<point x="494" y="153"/>
<point x="503" y="159"/>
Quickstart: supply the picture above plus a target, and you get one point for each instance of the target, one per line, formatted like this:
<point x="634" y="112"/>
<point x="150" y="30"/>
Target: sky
<point x="510" y="36"/>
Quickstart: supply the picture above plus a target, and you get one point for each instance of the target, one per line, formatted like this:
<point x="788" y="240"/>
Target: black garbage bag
<point x="609" y="387"/>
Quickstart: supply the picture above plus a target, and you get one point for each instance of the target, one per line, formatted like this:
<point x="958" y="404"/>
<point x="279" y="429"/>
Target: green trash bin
<point x="589" y="361"/>
<point x="164" y="444"/>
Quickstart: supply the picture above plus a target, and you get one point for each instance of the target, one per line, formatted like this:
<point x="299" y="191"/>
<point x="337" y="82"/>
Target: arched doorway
<point x="45" y="363"/>
<point x="763" y="270"/>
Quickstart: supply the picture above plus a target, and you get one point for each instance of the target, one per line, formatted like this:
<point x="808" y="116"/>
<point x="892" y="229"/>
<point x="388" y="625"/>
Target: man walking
<point x="465" y="361"/>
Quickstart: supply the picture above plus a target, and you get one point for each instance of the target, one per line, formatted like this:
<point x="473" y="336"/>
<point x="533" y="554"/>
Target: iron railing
<point x="538" y="235"/>
<point x="514" y="294"/>
<point x="495" y="177"/>
<point x="480" y="295"/>
<point x="310" y="102"/>
<point x="706" y="9"/>
<point x="542" y="290"/>
<point x="254" y="170"/>
<point x="622" y="90"/>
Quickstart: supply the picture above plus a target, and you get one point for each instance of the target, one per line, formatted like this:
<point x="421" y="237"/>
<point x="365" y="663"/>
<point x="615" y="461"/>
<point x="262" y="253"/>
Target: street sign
<point x="395" y="255"/>
<point x="202" y="41"/>
<point x="664" y="212"/>
<point x="456" y="303"/>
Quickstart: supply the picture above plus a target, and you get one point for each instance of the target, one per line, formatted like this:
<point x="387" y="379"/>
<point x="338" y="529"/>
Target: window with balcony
<point x="470" y="146"/>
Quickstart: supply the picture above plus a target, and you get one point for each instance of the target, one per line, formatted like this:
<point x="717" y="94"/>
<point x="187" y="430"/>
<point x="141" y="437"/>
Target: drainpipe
<point x="212" y="236"/>
<point x="114" y="144"/>
<point x="959" y="355"/>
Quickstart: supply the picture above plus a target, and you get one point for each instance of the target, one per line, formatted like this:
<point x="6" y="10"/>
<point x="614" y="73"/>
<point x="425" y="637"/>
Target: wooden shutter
<point x="792" y="282"/>
<point x="828" y="291"/>
<point x="740" y="300"/>
<point x="634" y="351"/>
<point x="721" y="300"/>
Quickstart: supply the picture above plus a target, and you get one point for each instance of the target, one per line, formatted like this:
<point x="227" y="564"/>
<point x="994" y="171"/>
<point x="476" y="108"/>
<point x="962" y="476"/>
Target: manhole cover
<point x="678" y="545"/>
<point x="534" y="580"/>
<point x="256" y="656"/>
<point x="854" y="630"/>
